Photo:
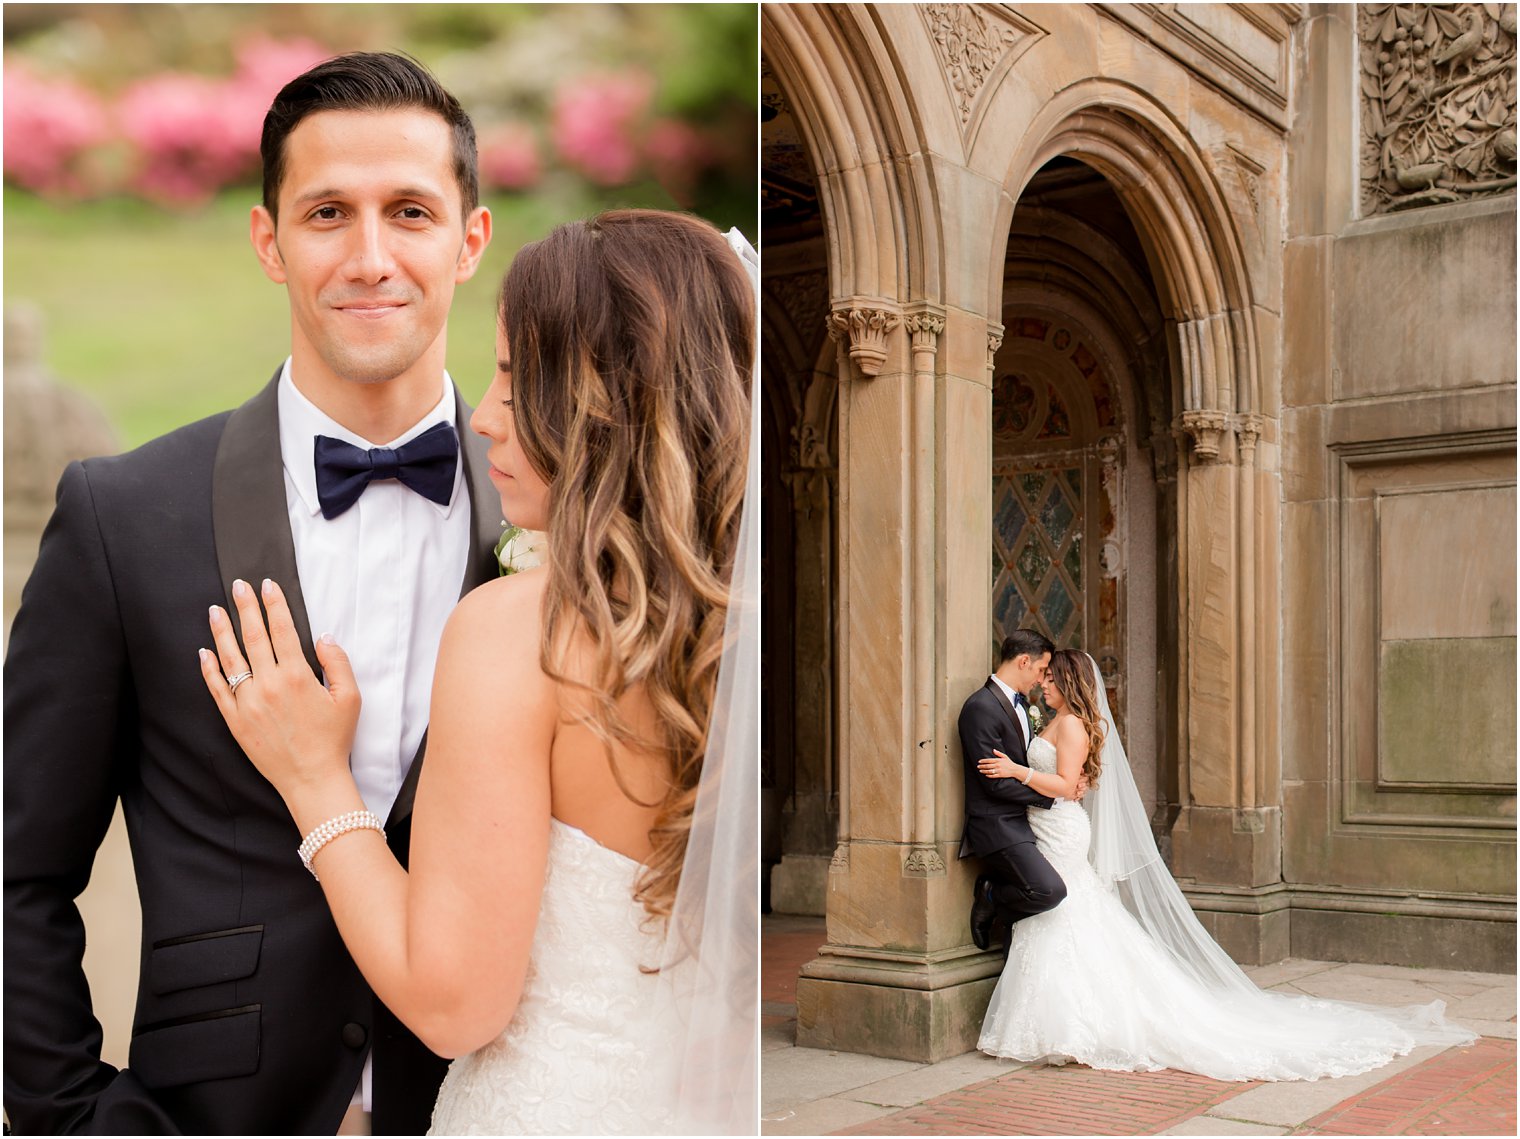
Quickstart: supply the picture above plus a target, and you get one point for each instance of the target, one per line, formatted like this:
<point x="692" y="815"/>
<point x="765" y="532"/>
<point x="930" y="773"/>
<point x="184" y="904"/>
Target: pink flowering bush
<point x="49" y="126"/>
<point x="594" y="125"/>
<point x="678" y="153"/>
<point x="193" y="135"/>
<point x="509" y="157"/>
<point x="187" y="136"/>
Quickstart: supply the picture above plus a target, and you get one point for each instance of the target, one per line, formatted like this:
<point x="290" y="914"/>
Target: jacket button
<point x="354" y="1035"/>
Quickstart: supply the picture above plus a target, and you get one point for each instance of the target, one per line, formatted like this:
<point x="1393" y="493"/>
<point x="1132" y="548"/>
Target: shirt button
<point x="354" y="1035"/>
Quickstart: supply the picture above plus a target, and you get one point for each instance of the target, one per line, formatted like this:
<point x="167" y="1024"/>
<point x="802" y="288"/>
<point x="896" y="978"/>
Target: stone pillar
<point x="898" y="976"/>
<point x="1228" y="834"/>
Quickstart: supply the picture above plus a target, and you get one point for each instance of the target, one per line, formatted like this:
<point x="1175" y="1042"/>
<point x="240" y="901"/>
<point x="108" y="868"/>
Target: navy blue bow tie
<point x="426" y="465"/>
<point x="1020" y="700"/>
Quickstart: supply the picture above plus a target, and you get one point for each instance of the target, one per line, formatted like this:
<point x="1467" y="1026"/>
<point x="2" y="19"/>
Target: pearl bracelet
<point x="331" y="829"/>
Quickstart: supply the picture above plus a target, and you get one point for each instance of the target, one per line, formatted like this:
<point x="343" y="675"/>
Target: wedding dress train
<point x="592" y="1048"/>
<point x="1085" y="981"/>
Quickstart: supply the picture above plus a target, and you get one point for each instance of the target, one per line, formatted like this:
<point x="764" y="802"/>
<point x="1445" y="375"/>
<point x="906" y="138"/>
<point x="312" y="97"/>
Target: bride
<point x="1121" y="975"/>
<point x="577" y="923"/>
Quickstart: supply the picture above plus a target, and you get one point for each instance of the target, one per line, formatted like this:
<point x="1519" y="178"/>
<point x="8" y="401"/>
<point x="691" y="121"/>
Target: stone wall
<point x="1399" y="542"/>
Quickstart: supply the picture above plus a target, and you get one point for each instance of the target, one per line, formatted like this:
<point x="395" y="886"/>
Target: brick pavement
<point x="1070" y="1100"/>
<point x="1464" y="1091"/>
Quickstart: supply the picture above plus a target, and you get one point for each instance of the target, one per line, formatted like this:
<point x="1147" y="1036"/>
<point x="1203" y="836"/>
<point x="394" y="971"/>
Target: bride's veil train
<point x="1125" y="857"/>
<point x="710" y="971"/>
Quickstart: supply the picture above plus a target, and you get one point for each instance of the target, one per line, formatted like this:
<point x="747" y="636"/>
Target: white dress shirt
<point x="382" y="578"/>
<point x="1022" y="713"/>
<point x="1018" y="708"/>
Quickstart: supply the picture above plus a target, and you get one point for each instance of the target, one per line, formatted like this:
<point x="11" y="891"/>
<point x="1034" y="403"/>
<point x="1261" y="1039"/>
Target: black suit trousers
<point x="1023" y="883"/>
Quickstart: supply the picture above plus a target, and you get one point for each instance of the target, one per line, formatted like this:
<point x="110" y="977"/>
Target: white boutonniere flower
<point x="1036" y="718"/>
<point x="521" y="549"/>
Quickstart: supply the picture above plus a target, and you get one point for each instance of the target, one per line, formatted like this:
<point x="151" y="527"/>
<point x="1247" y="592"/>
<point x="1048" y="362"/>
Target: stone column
<point x="898" y="976"/>
<point x="1228" y="834"/>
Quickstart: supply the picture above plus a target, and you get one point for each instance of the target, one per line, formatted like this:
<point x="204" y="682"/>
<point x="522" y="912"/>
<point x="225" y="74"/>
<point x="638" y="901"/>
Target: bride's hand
<point x="297" y="733"/>
<point x="1000" y="767"/>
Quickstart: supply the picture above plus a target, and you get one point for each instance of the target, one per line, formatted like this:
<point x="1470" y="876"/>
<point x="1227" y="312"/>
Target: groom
<point x="251" y="1016"/>
<point x="1017" y="882"/>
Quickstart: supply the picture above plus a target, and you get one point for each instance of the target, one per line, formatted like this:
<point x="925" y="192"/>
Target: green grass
<point x="164" y="317"/>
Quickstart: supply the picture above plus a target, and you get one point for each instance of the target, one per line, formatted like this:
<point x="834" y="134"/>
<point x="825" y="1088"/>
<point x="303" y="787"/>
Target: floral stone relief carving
<point x="1438" y="103"/>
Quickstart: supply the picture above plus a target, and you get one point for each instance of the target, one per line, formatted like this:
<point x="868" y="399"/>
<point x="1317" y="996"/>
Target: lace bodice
<point x="1062" y="831"/>
<point x="586" y="1052"/>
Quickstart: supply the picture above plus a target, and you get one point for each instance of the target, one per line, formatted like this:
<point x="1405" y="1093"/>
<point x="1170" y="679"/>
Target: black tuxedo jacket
<point x="251" y="1016"/>
<point x="995" y="808"/>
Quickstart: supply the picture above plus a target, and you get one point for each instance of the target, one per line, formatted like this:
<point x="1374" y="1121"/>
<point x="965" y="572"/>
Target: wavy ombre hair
<point x="632" y="337"/>
<point x="1070" y="674"/>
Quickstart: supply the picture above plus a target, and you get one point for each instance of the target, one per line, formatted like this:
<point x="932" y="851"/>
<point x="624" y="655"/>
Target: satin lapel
<point x="249" y="516"/>
<point x="1002" y="698"/>
<point x="479" y="568"/>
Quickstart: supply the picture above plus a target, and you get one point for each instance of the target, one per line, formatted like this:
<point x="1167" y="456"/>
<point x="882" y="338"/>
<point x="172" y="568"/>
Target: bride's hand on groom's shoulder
<point x="297" y="732"/>
<point x="997" y="766"/>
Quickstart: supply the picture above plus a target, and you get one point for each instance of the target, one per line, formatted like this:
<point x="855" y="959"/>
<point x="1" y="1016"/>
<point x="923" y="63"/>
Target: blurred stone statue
<point x="46" y="428"/>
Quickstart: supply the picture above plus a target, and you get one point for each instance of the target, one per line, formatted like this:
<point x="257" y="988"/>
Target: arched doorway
<point x="1080" y="440"/>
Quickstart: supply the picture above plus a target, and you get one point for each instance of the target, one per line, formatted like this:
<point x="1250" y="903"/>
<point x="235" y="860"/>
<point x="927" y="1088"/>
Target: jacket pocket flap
<point x="204" y="959"/>
<point x="213" y="1046"/>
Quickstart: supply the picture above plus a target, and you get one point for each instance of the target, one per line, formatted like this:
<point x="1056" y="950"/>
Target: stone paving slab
<point x="795" y="1076"/>
<point x="820" y="1117"/>
<point x="932" y="1080"/>
<point x="1209" y="1125"/>
<point x="1291" y="1102"/>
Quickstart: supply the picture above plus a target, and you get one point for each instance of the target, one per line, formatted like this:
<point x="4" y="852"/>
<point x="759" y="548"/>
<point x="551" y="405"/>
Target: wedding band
<point x="234" y="681"/>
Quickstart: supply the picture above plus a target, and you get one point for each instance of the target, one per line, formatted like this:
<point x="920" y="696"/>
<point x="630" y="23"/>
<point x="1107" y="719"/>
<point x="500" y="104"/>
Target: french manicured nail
<point x="216" y="614"/>
<point x="268" y="588"/>
<point x="203" y="654"/>
<point x="329" y="639"/>
<point x="240" y="588"/>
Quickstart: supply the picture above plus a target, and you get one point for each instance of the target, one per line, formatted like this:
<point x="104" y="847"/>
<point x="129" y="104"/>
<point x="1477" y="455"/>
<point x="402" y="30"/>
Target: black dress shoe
<point x="982" y="913"/>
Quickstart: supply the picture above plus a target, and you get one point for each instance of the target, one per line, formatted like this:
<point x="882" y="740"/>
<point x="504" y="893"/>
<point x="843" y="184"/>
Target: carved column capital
<point x="1204" y="428"/>
<point x="1248" y="428"/>
<point x="865" y="331"/>
<point x="994" y="342"/>
<point x="925" y="328"/>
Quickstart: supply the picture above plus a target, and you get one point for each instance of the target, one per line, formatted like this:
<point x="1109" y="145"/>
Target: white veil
<point x="1124" y="855"/>
<point x="710" y="975"/>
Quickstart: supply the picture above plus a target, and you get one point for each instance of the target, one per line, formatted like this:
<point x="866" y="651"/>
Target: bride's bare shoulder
<point x="492" y="640"/>
<point x="516" y="598"/>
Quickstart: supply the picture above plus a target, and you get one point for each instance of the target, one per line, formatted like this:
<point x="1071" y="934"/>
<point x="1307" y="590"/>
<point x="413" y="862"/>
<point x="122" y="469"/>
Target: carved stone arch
<point x="856" y="118"/>
<point x="1224" y="680"/>
<point x="1183" y="220"/>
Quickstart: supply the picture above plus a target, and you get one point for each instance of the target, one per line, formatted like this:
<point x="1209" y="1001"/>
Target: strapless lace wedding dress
<point x="1085" y="982"/>
<point x="588" y="1051"/>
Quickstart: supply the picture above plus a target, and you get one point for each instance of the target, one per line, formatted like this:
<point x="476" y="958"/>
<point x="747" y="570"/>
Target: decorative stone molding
<point x="865" y="331"/>
<point x="840" y="863"/>
<point x="1204" y="428"/>
<point x="969" y="45"/>
<point x="1438" y="103"/>
<point x="924" y="862"/>
<point x="802" y="296"/>
<point x="994" y="342"/>
<point x="810" y="436"/>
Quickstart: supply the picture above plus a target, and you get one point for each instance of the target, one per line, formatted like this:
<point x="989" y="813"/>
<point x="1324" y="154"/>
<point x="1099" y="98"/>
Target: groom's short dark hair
<point x="366" y="81"/>
<point x="1023" y="641"/>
